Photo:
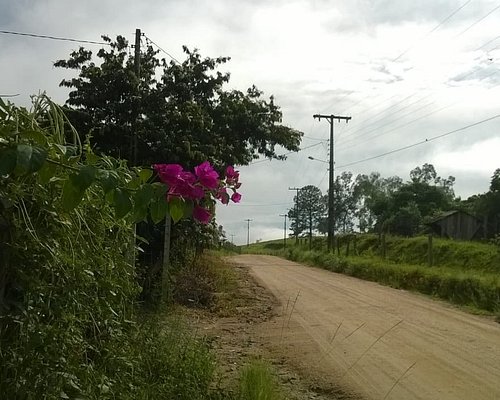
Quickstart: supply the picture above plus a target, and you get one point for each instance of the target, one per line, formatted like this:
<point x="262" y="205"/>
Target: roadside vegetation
<point x="464" y="273"/>
<point x="87" y="310"/>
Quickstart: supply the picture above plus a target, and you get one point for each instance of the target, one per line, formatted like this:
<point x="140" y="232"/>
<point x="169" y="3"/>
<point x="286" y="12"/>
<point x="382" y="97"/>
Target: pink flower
<point x="201" y="214"/>
<point x="236" y="197"/>
<point x="169" y="173"/>
<point x="207" y="176"/>
<point x="222" y="195"/>
<point x="232" y="176"/>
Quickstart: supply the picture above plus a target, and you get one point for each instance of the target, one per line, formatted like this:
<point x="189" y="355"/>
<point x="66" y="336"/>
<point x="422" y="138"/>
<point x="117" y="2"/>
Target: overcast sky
<point x="405" y="71"/>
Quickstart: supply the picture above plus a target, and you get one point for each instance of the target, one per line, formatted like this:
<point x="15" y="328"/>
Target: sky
<point x="404" y="71"/>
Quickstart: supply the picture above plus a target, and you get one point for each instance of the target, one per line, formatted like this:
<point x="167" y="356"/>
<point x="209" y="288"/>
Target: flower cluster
<point x="201" y="187"/>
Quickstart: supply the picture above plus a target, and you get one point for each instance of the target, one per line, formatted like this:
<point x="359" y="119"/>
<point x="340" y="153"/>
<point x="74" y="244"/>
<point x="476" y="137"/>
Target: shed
<point x="456" y="225"/>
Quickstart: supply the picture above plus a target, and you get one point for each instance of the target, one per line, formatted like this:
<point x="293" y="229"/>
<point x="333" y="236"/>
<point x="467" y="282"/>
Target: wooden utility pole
<point x="248" y="231"/>
<point x="296" y="213"/>
<point x="284" y="231"/>
<point x="331" y="218"/>
<point x="137" y="70"/>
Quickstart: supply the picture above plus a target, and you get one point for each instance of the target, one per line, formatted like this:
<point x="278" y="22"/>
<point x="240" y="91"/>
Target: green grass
<point x="258" y="383"/>
<point x="463" y="273"/>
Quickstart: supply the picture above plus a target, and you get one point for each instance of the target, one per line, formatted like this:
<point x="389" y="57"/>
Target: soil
<point x="330" y="336"/>
<point x="346" y="337"/>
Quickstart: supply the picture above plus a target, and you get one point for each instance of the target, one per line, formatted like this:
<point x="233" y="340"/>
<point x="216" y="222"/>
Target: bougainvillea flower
<point x="168" y="173"/>
<point x="201" y="214"/>
<point x="207" y="176"/>
<point x="236" y="197"/>
<point x="232" y="176"/>
<point x="222" y="195"/>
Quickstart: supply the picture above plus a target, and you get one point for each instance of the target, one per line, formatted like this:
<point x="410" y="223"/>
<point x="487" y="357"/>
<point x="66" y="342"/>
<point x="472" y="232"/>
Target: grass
<point x="258" y="383"/>
<point x="463" y="273"/>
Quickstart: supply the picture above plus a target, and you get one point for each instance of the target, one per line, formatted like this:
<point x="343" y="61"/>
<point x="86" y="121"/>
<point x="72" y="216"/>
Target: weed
<point x="257" y="383"/>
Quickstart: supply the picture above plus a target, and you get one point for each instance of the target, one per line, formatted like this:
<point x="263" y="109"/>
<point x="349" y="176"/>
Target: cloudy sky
<point x="405" y="71"/>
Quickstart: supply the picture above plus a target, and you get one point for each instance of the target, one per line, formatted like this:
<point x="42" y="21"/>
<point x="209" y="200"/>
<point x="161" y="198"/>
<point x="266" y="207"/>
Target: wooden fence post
<point x="384" y="249"/>
<point x="430" y="255"/>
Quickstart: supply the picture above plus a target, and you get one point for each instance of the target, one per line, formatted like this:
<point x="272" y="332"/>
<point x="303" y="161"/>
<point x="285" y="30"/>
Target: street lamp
<point x="315" y="159"/>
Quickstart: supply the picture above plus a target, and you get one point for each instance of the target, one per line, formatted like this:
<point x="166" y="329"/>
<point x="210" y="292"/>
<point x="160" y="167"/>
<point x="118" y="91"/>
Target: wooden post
<point x="347" y="246"/>
<point x="165" y="279"/>
<point x="430" y="255"/>
<point x="383" y="246"/>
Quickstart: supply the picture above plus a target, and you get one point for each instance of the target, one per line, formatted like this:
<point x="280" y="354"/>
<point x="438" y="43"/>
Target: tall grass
<point x="258" y="383"/>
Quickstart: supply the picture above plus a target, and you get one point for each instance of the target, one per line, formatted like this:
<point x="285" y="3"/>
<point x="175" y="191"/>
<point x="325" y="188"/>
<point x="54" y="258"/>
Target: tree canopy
<point x="170" y="112"/>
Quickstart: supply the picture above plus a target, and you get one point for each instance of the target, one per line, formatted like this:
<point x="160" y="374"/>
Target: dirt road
<point x="380" y="342"/>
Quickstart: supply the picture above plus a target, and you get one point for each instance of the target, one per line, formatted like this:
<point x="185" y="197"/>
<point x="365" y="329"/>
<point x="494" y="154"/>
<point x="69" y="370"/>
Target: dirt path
<point x="380" y="342"/>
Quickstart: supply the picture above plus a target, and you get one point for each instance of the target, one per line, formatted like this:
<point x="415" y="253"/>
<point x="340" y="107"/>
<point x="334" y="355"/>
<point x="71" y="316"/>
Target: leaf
<point x="37" y="136"/>
<point x="72" y="195"/>
<point x="30" y="158"/>
<point x="107" y="179"/>
<point x="46" y="172"/>
<point x="145" y="174"/>
<point x="158" y="209"/>
<point x="176" y="208"/>
<point x="121" y="203"/>
<point x="8" y="160"/>
<point x="85" y="177"/>
<point x="142" y="198"/>
<point x="188" y="209"/>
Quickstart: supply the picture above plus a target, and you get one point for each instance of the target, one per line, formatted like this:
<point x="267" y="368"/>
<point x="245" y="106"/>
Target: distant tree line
<point x="371" y="203"/>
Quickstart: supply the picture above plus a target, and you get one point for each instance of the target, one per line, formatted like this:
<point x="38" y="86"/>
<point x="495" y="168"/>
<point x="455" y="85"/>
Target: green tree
<point x="185" y="115"/>
<point x="309" y="210"/>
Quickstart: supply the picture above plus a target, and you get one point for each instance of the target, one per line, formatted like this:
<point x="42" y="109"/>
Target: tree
<point x="374" y="199"/>
<point x="185" y="115"/>
<point x="309" y="210"/>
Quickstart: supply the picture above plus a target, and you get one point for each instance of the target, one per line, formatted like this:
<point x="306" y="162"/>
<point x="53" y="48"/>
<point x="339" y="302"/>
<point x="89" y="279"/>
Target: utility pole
<point x="137" y="70"/>
<point x="248" y="231"/>
<point x="284" y="231"/>
<point x="296" y="213"/>
<point x="331" y="203"/>
<point x="232" y="238"/>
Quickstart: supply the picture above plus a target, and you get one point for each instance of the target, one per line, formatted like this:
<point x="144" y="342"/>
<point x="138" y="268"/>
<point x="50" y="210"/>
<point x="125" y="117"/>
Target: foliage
<point x="68" y="287"/>
<point x="258" y="383"/>
<point x="310" y="208"/>
<point x="388" y="204"/>
<point x="487" y="206"/>
<point x="185" y="115"/>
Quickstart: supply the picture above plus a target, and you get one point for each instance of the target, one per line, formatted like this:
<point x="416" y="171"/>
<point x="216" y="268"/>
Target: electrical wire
<point x="421" y="142"/>
<point x="53" y="37"/>
<point x="432" y="30"/>
<point x="161" y="49"/>
<point x="285" y="154"/>
<point x="479" y="20"/>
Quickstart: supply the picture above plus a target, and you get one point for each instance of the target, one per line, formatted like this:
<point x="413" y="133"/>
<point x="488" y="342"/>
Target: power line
<point x="9" y="95"/>
<point x="433" y="30"/>
<point x="421" y="142"/>
<point x="478" y="21"/>
<point x="53" y="37"/>
<point x="161" y="49"/>
<point x="285" y="154"/>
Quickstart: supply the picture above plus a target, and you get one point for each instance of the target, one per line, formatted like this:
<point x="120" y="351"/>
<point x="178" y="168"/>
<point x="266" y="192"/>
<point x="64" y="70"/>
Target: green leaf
<point x="72" y="195"/>
<point x="30" y="158"/>
<point x="145" y="174"/>
<point x="107" y="179"/>
<point x="142" y="198"/>
<point x="85" y="177"/>
<point x="158" y="209"/>
<point x="37" y="136"/>
<point x="188" y="209"/>
<point x="121" y="203"/>
<point x="8" y="160"/>
<point x="176" y="208"/>
<point x="46" y="172"/>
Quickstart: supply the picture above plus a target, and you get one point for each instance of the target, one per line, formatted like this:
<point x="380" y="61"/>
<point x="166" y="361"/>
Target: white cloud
<point x="315" y="56"/>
